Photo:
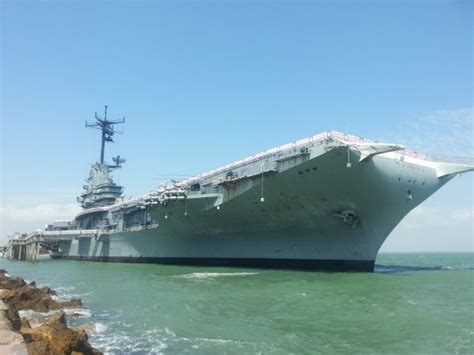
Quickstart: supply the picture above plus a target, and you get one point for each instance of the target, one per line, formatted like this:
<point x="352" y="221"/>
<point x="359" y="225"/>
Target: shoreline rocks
<point x="50" y="333"/>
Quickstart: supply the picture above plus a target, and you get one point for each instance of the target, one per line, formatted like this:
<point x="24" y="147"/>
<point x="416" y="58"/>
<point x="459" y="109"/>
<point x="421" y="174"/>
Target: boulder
<point x="52" y="336"/>
<point x="54" y="320"/>
<point x="72" y="303"/>
<point x="12" y="317"/>
<point x="56" y="338"/>
<point x="10" y="283"/>
<point x="29" y="297"/>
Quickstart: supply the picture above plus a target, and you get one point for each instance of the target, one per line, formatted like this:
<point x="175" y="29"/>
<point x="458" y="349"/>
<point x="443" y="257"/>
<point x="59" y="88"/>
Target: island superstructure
<point x="328" y="201"/>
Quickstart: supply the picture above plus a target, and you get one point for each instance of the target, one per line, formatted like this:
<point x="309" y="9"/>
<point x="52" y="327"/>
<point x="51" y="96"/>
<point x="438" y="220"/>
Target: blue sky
<point x="204" y="83"/>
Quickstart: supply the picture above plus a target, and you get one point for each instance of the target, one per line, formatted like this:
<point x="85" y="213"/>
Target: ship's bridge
<point x="100" y="190"/>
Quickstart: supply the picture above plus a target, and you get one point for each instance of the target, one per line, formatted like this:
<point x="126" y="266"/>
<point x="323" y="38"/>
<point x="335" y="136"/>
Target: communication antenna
<point x="107" y="128"/>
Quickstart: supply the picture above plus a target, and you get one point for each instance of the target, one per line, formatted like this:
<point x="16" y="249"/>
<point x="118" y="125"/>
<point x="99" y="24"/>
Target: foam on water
<point x="404" y="268"/>
<point x="100" y="327"/>
<point x="30" y="314"/>
<point x="447" y="268"/>
<point x="62" y="289"/>
<point x="120" y="342"/>
<point x="113" y="339"/>
<point x="411" y="268"/>
<point x="171" y="336"/>
<point x="64" y="293"/>
<point x="207" y="275"/>
<point x="78" y="312"/>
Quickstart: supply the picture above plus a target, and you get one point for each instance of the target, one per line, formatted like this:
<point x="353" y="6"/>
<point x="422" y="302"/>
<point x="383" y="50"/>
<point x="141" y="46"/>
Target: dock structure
<point x="27" y="247"/>
<point x="24" y="247"/>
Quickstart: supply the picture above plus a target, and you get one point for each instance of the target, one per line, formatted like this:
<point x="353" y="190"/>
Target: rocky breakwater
<point x="47" y="332"/>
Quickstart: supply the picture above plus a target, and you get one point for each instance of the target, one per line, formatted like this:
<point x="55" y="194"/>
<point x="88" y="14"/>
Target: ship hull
<point x="296" y="249"/>
<point x="295" y="220"/>
<point x="325" y="202"/>
<point x="266" y="263"/>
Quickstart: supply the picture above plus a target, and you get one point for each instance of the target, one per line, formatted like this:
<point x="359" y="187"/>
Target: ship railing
<point x="413" y="154"/>
<point x="24" y="237"/>
<point x="317" y="139"/>
<point x="71" y="232"/>
<point x="40" y="234"/>
<point x="154" y="198"/>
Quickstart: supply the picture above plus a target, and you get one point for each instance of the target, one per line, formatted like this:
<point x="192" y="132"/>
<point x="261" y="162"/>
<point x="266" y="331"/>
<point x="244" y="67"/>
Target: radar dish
<point x="118" y="160"/>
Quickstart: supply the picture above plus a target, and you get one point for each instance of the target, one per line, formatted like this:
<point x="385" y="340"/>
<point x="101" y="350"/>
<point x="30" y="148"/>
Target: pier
<point x="27" y="247"/>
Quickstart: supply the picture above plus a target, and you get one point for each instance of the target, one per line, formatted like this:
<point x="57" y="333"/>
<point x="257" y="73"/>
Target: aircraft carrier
<point x="328" y="202"/>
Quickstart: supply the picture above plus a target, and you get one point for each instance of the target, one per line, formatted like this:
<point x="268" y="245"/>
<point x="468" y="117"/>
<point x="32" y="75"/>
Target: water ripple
<point x="410" y="268"/>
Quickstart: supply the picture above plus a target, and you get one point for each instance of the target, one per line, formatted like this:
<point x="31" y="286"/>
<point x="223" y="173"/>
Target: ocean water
<point x="412" y="304"/>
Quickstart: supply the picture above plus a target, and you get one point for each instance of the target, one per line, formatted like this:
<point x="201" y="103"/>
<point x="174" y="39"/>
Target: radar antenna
<point x="107" y="128"/>
<point x="118" y="161"/>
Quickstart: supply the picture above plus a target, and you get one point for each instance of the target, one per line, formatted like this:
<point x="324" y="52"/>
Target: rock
<point x="58" y="339"/>
<point x="73" y="303"/>
<point x="12" y="343"/>
<point x="84" y="327"/>
<point x="52" y="336"/>
<point x="36" y="299"/>
<point x="11" y="283"/>
<point x="13" y="318"/>
<point x="25" y="323"/>
<point x="38" y="347"/>
<point x="29" y="297"/>
<point x="55" y="319"/>
<point x="49" y="291"/>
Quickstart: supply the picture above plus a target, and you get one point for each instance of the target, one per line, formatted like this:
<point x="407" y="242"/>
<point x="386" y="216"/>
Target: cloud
<point x="21" y="218"/>
<point x="440" y="132"/>
<point x="38" y="213"/>
<point x="435" y="229"/>
<point x="463" y="214"/>
<point x="439" y="216"/>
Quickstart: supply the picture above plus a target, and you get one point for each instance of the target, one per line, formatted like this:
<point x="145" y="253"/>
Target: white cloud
<point x="21" y="218"/>
<point x="38" y="213"/>
<point x="439" y="132"/>
<point x="463" y="214"/>
<point x="435" y="229"/>
<point x="440" y="216"/>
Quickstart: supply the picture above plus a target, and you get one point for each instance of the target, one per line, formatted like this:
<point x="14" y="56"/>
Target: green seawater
<point x="413" y="303"/>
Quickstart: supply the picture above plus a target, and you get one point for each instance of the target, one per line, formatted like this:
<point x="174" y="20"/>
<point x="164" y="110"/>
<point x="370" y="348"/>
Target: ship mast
<point x="107" y="128"/>
<point x="101" y="189"/>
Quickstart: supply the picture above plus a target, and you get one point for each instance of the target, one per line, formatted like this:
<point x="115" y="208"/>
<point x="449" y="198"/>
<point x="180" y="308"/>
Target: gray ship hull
<point x="261" y="263"/>
<point x="324" y="202"/>
<point x="313" y="212"/>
